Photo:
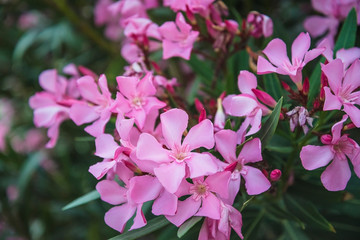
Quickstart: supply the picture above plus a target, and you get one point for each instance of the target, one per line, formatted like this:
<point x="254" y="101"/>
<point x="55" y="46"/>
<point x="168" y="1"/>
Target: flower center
<point x="180" y="153"/>
<point x="137" y="102"/>
<point x="199" y="190"/>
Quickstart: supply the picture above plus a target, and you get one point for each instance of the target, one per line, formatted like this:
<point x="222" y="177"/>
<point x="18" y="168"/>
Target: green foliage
<point x="91" y="196"/>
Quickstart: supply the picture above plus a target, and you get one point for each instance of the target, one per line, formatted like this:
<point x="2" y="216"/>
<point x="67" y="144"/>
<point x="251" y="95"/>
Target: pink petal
<point x="210" y="207"/>
<point x="46" y="116"/>
<point x="173" y="49"/>
<point x="316" y="25"/>
<point x="146" y="86"/>
<point x="255" y="181"/>
<point x="246" y="82"/>
<point x="353" y="112"/>
<point x="200" y="135"/>
<point x="53" y="132"/>
<point x="139" y="220"/>
<point x="105" y="146"/>
<point x="144" y="188"/>
<point x="139" y="115"/>
<point x="111" y="192"/>
<point x="336" y="175"/>
<point x="89" y="89"/>
<point x="148" y="148"/>
<point x="251" y="151"/>
<point x="226" y="144"/>
<point x="153" y="104"/>
<point x="99" y="169"/>
<point x="219" y="183"/>
<point x="332" y="102"/>
<point x="351" y="79"/>
<point x="104" y="86"/>
<point x="48" y="80"/>
<point x="173" y="123"/>
<point x="312" y="54"/>
<point x="239" y="105"/>
<point x="117" y="217"/>
<point x="83" y="113"/>
<point x="234" y="187"/>
<point x="264" y="66"/>
<point x="336" y="129"/>
<point x="127" y="86"/>
<point x="98" y="127"/>
<point x="255" y="122"/>
<point x="201" y="164"/>
<point x="170" y="175"/>
<point x="165" y="204"/>
<point x="235" y="220"/>
<point x="348" y="56"/>
<point x="276" y="53"/>
<point x="300" y="47"/>
<point x="124" y="126"/>
<point x="313" y="157"/>
<point x="186" y="209"/>
<point x="334" y="71"/>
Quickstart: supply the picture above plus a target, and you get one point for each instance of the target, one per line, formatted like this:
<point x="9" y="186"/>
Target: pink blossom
<point x="138" y="190"/>
<point x="178" y="158"/>
<point x="259" y="25"/>
<point x="136" y="97"/>
<point x="255" y="180"/>
<point x="230" y="217"/>
<point x="96" y="106"/>
<point x="342" y="89"/>
<point x="123" y="10"/>
<point x="280" y="63"/>
<point x="178" y="38"/>
<point x="275" y="175"/>
<point x="336" y="149"/>
<point x="299" y="116"/>
<point x="203" y="200"/>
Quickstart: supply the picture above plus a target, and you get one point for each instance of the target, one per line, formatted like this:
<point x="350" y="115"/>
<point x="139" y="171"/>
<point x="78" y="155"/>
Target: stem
<point x="63" y="7"/>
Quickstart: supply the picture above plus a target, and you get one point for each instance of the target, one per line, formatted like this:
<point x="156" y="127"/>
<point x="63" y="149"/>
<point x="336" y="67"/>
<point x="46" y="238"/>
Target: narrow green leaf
<point x="273" y="86"/>
<point x="283" y="214"/>
<point x="31" y="164"/>
<point x="314" y="81"/>
<point x="246" y="203"/>
<point x="293" y="232"/>
<point x="25" y="43"/>
<point x="228" y="124"/>
<point x="93" y="195"/>
<point x="268" y="128"/>
<point x="347" y="34"/>
<point x="307" y="212"/>
<point x="202" y="68"/>
<point x="151" y="226"/>
<point x="186" y="226"/>
<point x="254" y="225"/>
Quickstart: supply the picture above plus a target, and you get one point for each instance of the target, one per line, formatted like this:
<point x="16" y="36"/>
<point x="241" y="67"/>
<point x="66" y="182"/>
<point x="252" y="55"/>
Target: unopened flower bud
<point x="326" y="139"/>
<point x="306" y="86"/>
<point x="264" y="97"/>
<point x="266" y="174"/>
<point x="232" y="26"/>
<point x="349" y="126"/>
<point x="259" y="25"/>
<point x="275" y="175"/>
<point x="285" y="86"/>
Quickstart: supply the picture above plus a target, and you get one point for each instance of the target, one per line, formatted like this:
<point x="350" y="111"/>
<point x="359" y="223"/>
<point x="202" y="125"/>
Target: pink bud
<point x="266" y="174"/>
<point x="286" y="86"/>
<point x="222" y="95"/>
<point x="232" y="26"/>
<point x="86" y="71"/>
<point x="190" y="15"/>
<point x="198" y="105"/>
<point x="326" y="139"/>
<point x="316" y="103"/>
<point x="259" y="25"/>
<point x="275" y="175"/>
<point x="306" y="86"/>
<point x="349" y="126"/>
<point x="202" y="115"/>
<point x="264" y="97"/>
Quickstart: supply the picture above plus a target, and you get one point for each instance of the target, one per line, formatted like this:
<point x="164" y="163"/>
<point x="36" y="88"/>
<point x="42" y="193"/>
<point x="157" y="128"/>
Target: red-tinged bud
<point x="275" y="175"/>
<point x="222" y="95"/>
<point x="285" y="86"/>
<point x="132" y="167"/>
<point x="317" y="104"/>
<point x="326" y="139"/>
<point x="86" y="71"/>
<point x="198" y="105"/>
<point x="212" y="103"/>
<point x="349" y="126"/>
<point x="281" y="116"/>
<point x="167" y="108"/>
<point x="266" y="174"/>
<point x="323" y="80"/>
<point x="146" y="42"/>
<point x="306" y="86"/>
<point x="264" y="97"/>
<point x="232" y="26"/>
<point x="190" y="16"/>
<point x="170" y="89"/>
<point x="156" y="66"/>
<point x="202" y="115"/>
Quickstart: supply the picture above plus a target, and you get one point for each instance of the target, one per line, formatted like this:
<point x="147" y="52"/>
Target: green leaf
<point x="347" y="34"/>
<point x="308" y="213"/>
<point x="246" y="203"/>
<point x="280" y="213"/>
<point x="268" y="128"/>
<point x="185" y="227"/>
<point x="293" y="232"/>
<point x="93" y="195"/>
<point x="25" y="43"/>
<point x="273" y="86"/>
<point x="255" y="224"/>
<point x="228" y="124"/>
<point x="202" y="68"/>
<point x="237" y="62"/>
<point x="31" y="164"/>
<point x="151" y="226"/>
<point x="314" y="82"/>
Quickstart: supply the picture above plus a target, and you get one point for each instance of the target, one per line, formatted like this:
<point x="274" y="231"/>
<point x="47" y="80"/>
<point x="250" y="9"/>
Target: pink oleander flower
<point x="97" y="106"/>
<point x="203" y="199"/>
<point x="137" y="190"/>
<point x="337" y="149"/>
<point x="255" y="180"/>
<point x="230" y="217"/>
<point x="123" y="10"/>
<point x="33" y="140"/>
<point x="139" y="28"/>
<point x="280" y="63"/>
<point x="247" y="104"/>
<point x="52" y="106"/>
<point x="178" y="38"/>
<point x="259" y="25"/>
<point x="342" y="91"/>
<point x="334" y="11"/>
<point x="178" y="157"/>
<point x="299" y="116"/>
<point x="136" y="97"/>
